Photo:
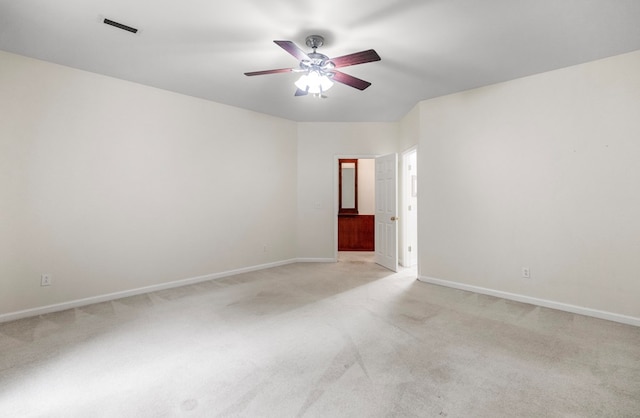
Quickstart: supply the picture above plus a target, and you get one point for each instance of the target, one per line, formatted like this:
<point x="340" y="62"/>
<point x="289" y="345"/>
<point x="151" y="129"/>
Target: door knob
<point x="394" y="218"/>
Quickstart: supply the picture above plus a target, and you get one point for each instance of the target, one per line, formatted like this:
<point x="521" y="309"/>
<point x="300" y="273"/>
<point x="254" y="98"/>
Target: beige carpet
<point x="348" y="339"/>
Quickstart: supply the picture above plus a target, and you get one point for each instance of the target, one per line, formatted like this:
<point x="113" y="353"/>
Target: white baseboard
<point x="316" y="260"/>
<point x="141" y="290"/>
<point x="610" y="316"/>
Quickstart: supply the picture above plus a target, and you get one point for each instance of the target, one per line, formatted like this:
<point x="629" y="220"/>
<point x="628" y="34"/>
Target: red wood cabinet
<point x="355" y="233"/>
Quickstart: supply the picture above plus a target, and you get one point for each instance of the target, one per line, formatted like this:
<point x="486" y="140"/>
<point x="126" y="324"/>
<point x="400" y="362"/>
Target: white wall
<point x="318" y="146"/>
<point x="409" y="136"/>
<point x="542" y="172"/>
<point x="409" y="129"/>
<point x="367" y="186"/>
<point x="111" y="186"/>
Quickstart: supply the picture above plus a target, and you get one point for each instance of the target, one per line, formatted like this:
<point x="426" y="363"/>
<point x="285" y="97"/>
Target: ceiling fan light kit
<point x="319" y="71"/>
<point x="314" y="82"/>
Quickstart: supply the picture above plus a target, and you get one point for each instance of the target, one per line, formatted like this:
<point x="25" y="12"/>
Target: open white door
<point x="386" y="216"/>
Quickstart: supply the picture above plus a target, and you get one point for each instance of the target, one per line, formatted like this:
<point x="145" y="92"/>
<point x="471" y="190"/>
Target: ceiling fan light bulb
<point x="315" y="89"/>
<point x="325" y="83"/>
<point x="303" y="82"/>
<point x="314" y="82"/>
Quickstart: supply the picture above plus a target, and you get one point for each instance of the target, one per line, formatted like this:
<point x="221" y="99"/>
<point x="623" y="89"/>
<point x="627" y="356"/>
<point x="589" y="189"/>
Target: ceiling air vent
<point x="120" y="26"/>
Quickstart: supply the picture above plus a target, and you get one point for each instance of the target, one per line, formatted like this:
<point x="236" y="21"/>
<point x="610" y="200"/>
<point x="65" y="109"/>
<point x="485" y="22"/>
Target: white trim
<point x="610" y="316"/>
<point x="11" y="316"/>
<point x="405" y="186"/>
<point x="316" y="260"/>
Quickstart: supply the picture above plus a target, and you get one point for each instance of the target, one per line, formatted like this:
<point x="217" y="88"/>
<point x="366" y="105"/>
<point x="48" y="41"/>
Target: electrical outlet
<point x="46" y="280"/>
<point x="526" y="273"/>
<point x="264" y="248"/>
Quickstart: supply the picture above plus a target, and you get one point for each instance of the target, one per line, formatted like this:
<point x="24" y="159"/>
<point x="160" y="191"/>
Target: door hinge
<point x="409" y="208"/>
<point x="409" y="248"/>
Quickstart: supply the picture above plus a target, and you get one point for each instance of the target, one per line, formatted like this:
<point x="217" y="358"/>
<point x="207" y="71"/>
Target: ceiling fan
<point x="319" y="71"/>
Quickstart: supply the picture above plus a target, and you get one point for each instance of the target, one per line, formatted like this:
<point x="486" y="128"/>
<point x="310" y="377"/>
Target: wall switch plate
<point x="46" y="280"/>
<point x="526" y="273"/>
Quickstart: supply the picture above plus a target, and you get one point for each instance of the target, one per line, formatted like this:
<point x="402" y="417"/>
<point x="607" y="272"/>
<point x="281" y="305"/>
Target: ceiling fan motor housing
<point x="318" y="62"/>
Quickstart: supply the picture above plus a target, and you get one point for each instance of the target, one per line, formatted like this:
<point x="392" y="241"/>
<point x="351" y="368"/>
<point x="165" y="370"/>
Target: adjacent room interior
<point x="356" y="204"/>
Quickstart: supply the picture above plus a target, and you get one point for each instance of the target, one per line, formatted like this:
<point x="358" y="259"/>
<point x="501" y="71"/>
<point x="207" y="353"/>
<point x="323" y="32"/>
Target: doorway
<point x="356" y="204"/>
<point x="385" y="225"/>
<point x="364" y="204"/>
<point x="408" y="203"/>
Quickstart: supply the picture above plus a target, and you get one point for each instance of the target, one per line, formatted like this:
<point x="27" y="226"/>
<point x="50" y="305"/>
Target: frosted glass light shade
<point x="316" y="82"/>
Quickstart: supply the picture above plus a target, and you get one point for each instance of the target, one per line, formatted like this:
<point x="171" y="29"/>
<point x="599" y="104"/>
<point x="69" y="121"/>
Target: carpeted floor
<point x="348" y="339"/>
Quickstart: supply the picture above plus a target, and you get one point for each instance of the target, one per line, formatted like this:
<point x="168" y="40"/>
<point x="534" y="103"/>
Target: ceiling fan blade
<point x="356" y="58"/>
<point x="300" y="92"/>
<point x="350" y="80"/>
<point x="293" y="49"/>
<point x="280" y="70"/>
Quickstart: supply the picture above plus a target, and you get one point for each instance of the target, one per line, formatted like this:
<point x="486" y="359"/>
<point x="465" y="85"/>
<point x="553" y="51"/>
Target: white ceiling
<point x="428" y="47"/>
